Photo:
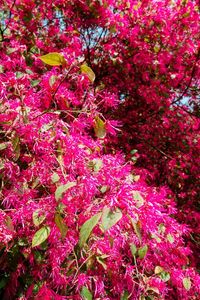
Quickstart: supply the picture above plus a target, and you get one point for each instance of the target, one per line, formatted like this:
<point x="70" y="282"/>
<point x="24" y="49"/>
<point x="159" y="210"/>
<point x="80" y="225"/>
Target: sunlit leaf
<point x="154" y="236"/>
<point x="88" y="71"/>
<point x="158" y="270"/>
<point x="85" y="293"/>
<point x="142" y="251"/>
<point x="1" y="69"/>
<point x="110" y="217"/>
<point x="103" y="189"/>
<point x="3" y="146"/>
<point x="53" y="59"/>
<point x="38" y="217"/>
<point x="40" y="236"/>
<point x="161" y="228"/>
<point x="187" y="283"/>
<point x="97" y="164"/>
<point x="138" y="198"/>
<point x="87" y="228"/>
<point x="99" y="127"/>
<point x="35" y="82"/>
<point x="55" y="177"/>
<point x="63" y="188"/>
<point x="52" y="80"/>
<point x="101" y="262"/>
<point x="165" y="276"/>
<point x="133" y="249"/>
<point x="19" y="75"/>
<point x="170" y="238"/>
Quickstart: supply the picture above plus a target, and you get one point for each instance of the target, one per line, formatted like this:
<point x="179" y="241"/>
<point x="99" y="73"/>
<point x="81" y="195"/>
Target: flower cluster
<point x="89" y="182"/>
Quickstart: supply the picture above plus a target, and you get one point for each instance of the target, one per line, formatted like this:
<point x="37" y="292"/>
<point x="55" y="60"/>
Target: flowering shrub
<point x="83" y="214"/>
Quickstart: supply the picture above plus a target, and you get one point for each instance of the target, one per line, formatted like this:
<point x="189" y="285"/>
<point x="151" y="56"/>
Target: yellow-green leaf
<point x="138" y="198"/>
<point x="88" y="71"/>
<point x="52" y="80"/>
<point x="85" y="293"/>
<point x="38" y="217"/>
<point x="63" y="188"/>
<point x="187" y="283"/>
<point x="158" y="270"/>
<point x="40" y="236"/>
<point x="170" y="238"/>
<point x="124" y="296"/>
<point x="16" y="146"/>
<point x="98" y="164"/>
<point x="101" y="262"/>
<point x="165" y="276"/>
<point x="133" y="249"/>
<point x="142" y="251"/>
<point x="87" y="228"/>
<point x="99" y="127"/>
<point x="3" y="146"/>
<point x="55" y="177"/>
<point x="103" y="189"/>
<point x="110" y="218"/>
<point x="136" y="227"/>
<point x="59" y="220"/>
<point x="53" y="59"/>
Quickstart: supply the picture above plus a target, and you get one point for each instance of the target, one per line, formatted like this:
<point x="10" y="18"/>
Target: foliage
<point x="99" y="154"/>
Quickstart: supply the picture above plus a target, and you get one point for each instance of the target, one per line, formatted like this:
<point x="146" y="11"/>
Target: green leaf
<point x="154" y="236"/>
<point x="101" y="262"/>
<point x="16" y="146"/>
<point x="187" y="283"/>
<point x="35" y="82"/>
<point x="170" y="238"/>
<point x="87" y="228"/>
<point x="110" y="218"/>
<point x="3" y="146"/>
<point x="133" y="249"/>
<point x="99" y="127"/>
<point x="19" y="75"/>
<point x="136" y="227"/>
<point x="46" y="127"/>
<point x="124" y="296"/>
<point x="53" y="59"/>
<point x="161" y="228"/>
<point x="1" y="69"/>
<point x="59" y="220"/>
<point x="38" y="217"/>
<point x="52" y="80"/>
<point x="88" y="71"/>
<point x="63" y="188"/>
<point x="158" y="270"/>
<point x="97" y="164"/>
<point x="138" y="198"/>
<point x="3" y="283"/>
<point x="103" y="189"/>
<point x="55" y="177"/>
<point x="85" y="293"/>
<point x="142" y="251"/>
<point x="165" y="276"/>
<point x="40" y="236"/>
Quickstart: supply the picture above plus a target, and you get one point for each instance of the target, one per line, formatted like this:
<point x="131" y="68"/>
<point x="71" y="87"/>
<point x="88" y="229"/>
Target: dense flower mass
<point x="99" y="150"/>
